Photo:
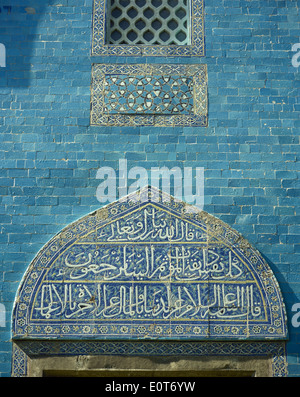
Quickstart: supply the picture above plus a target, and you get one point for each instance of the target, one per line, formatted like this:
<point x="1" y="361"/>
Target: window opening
<point x="148" y="22"/>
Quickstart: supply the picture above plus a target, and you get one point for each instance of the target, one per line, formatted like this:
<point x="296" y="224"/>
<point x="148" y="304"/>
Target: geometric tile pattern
<point x="148" y="22"/>
<point x="144" y="267"/>
<point x="195" y="45"/>
<point x="23" y="349"/>
<point x="154" y="95"/>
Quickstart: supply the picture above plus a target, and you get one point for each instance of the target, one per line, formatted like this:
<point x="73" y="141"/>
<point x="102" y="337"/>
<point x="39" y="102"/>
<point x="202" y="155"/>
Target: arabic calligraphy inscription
<point x="149" y="271"/>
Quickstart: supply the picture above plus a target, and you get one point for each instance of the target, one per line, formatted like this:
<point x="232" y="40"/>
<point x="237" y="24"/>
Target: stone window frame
<point x="196" y="48"/>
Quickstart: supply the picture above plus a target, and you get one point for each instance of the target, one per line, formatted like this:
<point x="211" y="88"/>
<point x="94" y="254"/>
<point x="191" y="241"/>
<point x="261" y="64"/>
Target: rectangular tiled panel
<point x="158" y="95"/>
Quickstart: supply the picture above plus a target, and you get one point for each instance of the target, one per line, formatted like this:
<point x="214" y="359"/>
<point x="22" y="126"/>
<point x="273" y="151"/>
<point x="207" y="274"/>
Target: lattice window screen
<point x="148" y="22"/>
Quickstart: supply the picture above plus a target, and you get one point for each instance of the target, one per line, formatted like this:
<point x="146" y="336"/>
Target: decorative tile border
<point x="143" y="94"/>
<point x="23" y="349"/>
<point x="197" y="48"/>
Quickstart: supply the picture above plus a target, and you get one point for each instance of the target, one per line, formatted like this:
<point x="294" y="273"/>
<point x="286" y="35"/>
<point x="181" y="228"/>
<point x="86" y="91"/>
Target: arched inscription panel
<point x="152" y="268"/>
